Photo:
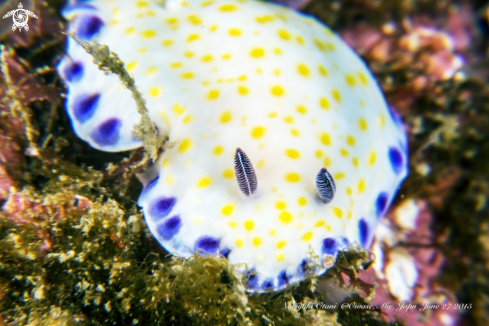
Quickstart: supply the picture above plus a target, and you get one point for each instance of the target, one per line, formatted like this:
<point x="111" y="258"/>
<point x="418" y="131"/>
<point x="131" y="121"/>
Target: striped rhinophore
<point x="325" y="185"/>
<point x="245" y="174"/>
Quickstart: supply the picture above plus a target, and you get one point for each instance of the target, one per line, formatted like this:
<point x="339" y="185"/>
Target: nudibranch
<point x="284" y="147"/>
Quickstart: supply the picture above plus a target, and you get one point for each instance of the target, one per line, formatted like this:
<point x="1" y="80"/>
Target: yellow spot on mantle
<point x="234" y="32"/>
<point x="233" y="224"/>
<point x="319" y="223"/>
<point x="264" y="19"/>
<point x="178" y="109"/>
<point x="257" y="53"/>
<point x="355" y="162"/>
<point x="239" y="243"/>
<point x="154" y="91"/>
<point x="350" y="140"/>
<point x="293" y="177"/>
<point x="301" y="109"/>
<point x="285" y="217"/>
<point x="372" y="158"/>
<point x="149" y="33"/>
<point x="204" y="182"/>
<point x="292" y="153"/>
<point x="280" y="257"/>
<point x="207" y="58"/>
<point x="277" y="90"/>
<point x="151" y="70"/>
<point x="187" y="75"/>
<point x="185" y="145"/>
<point x="339" y="176"/>
<point x="350" y="80"/>
<point x="327" y="162"/>
<point x="242" y="90"/>
<point x="227" y="210"/>
<point x="226" y="116"/>
<point x="324" y="103"/>
<point x="280" y="205"/>
<point x="325" y="139"/>
<point x="228" y="174"/>
<point x="289" y="119"/>
<point x="337" y="212"/>
<point x="131" y="65"/>
<point x="249" y="225"/>
<point x="189" y="118"/>
<point x="323" y="71"/>
<point x="361" y="186"/>
<point x="258" y="132"/>
<point x="218" y="150"/>
<point x="336" y="95"/>
<point x="362" y="124"/>
<point x="307" y="236"/>
<point x="193" y="37"/>
<point x="319" y="44"/>
<point x="382" y="120"/>
<point x="194" y="20"/>
<point x="330" y="46"/>
<point x="228" y="8"/>
<point x="363" y="78"/>
<point x="213" y="94"/>
<point x="302" y="201"/>
<point x="283" y="34"/>
<point x="256" y="241"/>
<point x="281" y="244"/>
<point x="303" y="70"/>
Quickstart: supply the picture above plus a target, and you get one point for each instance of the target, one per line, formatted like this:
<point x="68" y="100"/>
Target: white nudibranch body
<point x="219" y="75"/>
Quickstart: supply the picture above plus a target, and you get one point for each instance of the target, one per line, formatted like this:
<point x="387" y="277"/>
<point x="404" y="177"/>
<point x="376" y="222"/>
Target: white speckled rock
<point x="223" y="74"/>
